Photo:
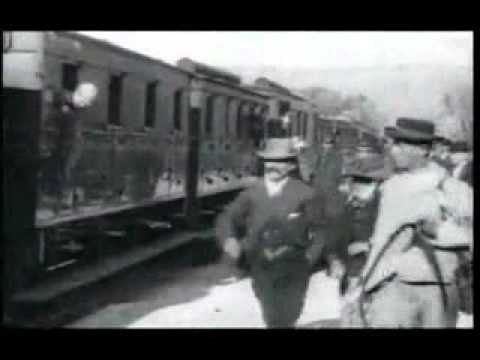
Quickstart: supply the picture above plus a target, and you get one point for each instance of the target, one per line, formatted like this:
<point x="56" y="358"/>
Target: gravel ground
<point x="185" y="288"/>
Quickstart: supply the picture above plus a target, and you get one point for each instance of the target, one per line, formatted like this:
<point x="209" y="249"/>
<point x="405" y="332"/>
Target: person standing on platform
<point x="270" y="224"/>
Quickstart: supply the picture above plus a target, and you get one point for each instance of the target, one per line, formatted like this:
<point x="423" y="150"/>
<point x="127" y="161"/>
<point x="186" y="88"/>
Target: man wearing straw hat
<point x="269" y="224"/>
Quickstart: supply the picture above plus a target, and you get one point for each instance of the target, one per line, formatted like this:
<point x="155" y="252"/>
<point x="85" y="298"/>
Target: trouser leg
<point x="281" y="293"/>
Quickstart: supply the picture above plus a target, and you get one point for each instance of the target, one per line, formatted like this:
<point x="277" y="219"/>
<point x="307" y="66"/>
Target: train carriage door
<point x="21" y="115"/>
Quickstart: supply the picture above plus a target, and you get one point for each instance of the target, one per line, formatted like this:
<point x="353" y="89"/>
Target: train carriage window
<point x="301" y="124"/>
<point x="228" y="110"/>
<point x="114" y="99"/>
<point x="177" y="110"/>
<point x="69" y="76"/>
<point x="283" y="108"/>
<point x="7" y="40"/>
<point x="305" y="126"/>
<point x="239" y="122"/>
<point x="209" y="115"/>
<point x="150" y="104"/>
<point x="299" y="128"/>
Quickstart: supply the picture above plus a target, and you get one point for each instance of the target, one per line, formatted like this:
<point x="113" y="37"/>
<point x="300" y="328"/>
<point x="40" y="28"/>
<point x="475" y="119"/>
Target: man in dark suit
<point x="269" y="223"/>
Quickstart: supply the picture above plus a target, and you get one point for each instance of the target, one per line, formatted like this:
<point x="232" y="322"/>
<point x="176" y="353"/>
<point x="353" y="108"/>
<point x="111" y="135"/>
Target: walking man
<point x="270" y="224"/>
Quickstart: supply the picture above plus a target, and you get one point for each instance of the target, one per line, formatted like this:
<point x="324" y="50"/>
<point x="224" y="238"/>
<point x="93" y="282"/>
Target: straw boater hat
<point x="278" y="149"/>
<point x="414" y="130"/>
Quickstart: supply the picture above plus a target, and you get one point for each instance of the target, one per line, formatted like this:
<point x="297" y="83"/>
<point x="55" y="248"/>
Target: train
<point x="159" y="136"/>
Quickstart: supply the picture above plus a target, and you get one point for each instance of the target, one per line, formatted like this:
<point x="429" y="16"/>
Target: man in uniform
<point x="409" y="277"/>
<point x="269" y="223"/>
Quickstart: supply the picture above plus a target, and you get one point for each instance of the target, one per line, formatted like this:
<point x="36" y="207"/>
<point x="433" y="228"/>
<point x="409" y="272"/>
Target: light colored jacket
<point x="407" y="199"/>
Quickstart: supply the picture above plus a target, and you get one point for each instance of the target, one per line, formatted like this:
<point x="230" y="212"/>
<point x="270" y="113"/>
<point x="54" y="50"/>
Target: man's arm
<point x="231" y="225"/>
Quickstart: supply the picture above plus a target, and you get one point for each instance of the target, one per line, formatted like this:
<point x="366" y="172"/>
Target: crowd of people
<point x="395" y="227"/>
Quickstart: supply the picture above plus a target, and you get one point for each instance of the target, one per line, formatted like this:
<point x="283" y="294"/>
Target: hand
<point x="232" y="248"/>
<point x="270" y="255"/>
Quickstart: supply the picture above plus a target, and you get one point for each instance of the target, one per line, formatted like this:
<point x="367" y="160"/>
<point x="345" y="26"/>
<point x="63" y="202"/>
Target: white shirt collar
<point x="275" y="187"/>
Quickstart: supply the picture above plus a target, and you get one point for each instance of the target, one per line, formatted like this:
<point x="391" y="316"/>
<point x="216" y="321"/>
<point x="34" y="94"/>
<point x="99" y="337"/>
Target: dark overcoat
<point x="263" y="225"/>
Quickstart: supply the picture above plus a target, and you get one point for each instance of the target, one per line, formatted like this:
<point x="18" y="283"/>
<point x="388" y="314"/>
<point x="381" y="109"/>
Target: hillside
<point x="404" y="90"/>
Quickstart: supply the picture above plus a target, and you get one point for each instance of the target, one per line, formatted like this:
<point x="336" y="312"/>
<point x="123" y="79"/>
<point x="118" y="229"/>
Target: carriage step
<point x="88" y="274"/>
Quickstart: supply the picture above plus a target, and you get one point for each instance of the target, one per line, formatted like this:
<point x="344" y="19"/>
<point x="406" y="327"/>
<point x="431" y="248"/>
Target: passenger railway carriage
<point x="158" y="137"/>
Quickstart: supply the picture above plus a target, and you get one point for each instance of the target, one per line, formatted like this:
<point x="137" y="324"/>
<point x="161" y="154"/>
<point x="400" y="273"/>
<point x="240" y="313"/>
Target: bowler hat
<point x="278" y="149"/>
<point x="370" y="167"/>
<point x="409" y="129"/>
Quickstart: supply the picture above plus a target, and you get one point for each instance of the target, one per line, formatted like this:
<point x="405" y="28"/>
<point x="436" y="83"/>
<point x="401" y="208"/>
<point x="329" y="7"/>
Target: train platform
<point x="228" y="303"/>
<point x="213" y="297"/>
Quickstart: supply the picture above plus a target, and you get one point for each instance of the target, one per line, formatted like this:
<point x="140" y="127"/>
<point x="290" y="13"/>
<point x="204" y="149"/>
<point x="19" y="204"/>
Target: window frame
<point x="209" y="115"/>
<point x="65" y="75"/>
<point x="178" y="109"/>
<point x="117" y="110"/>
<point x="150" y="105"/>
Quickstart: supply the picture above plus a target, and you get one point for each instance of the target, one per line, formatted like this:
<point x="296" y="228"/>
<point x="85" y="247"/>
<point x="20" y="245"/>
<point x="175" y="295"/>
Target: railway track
<point x="63" y="299"/>
<point x="42" y="304"/>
